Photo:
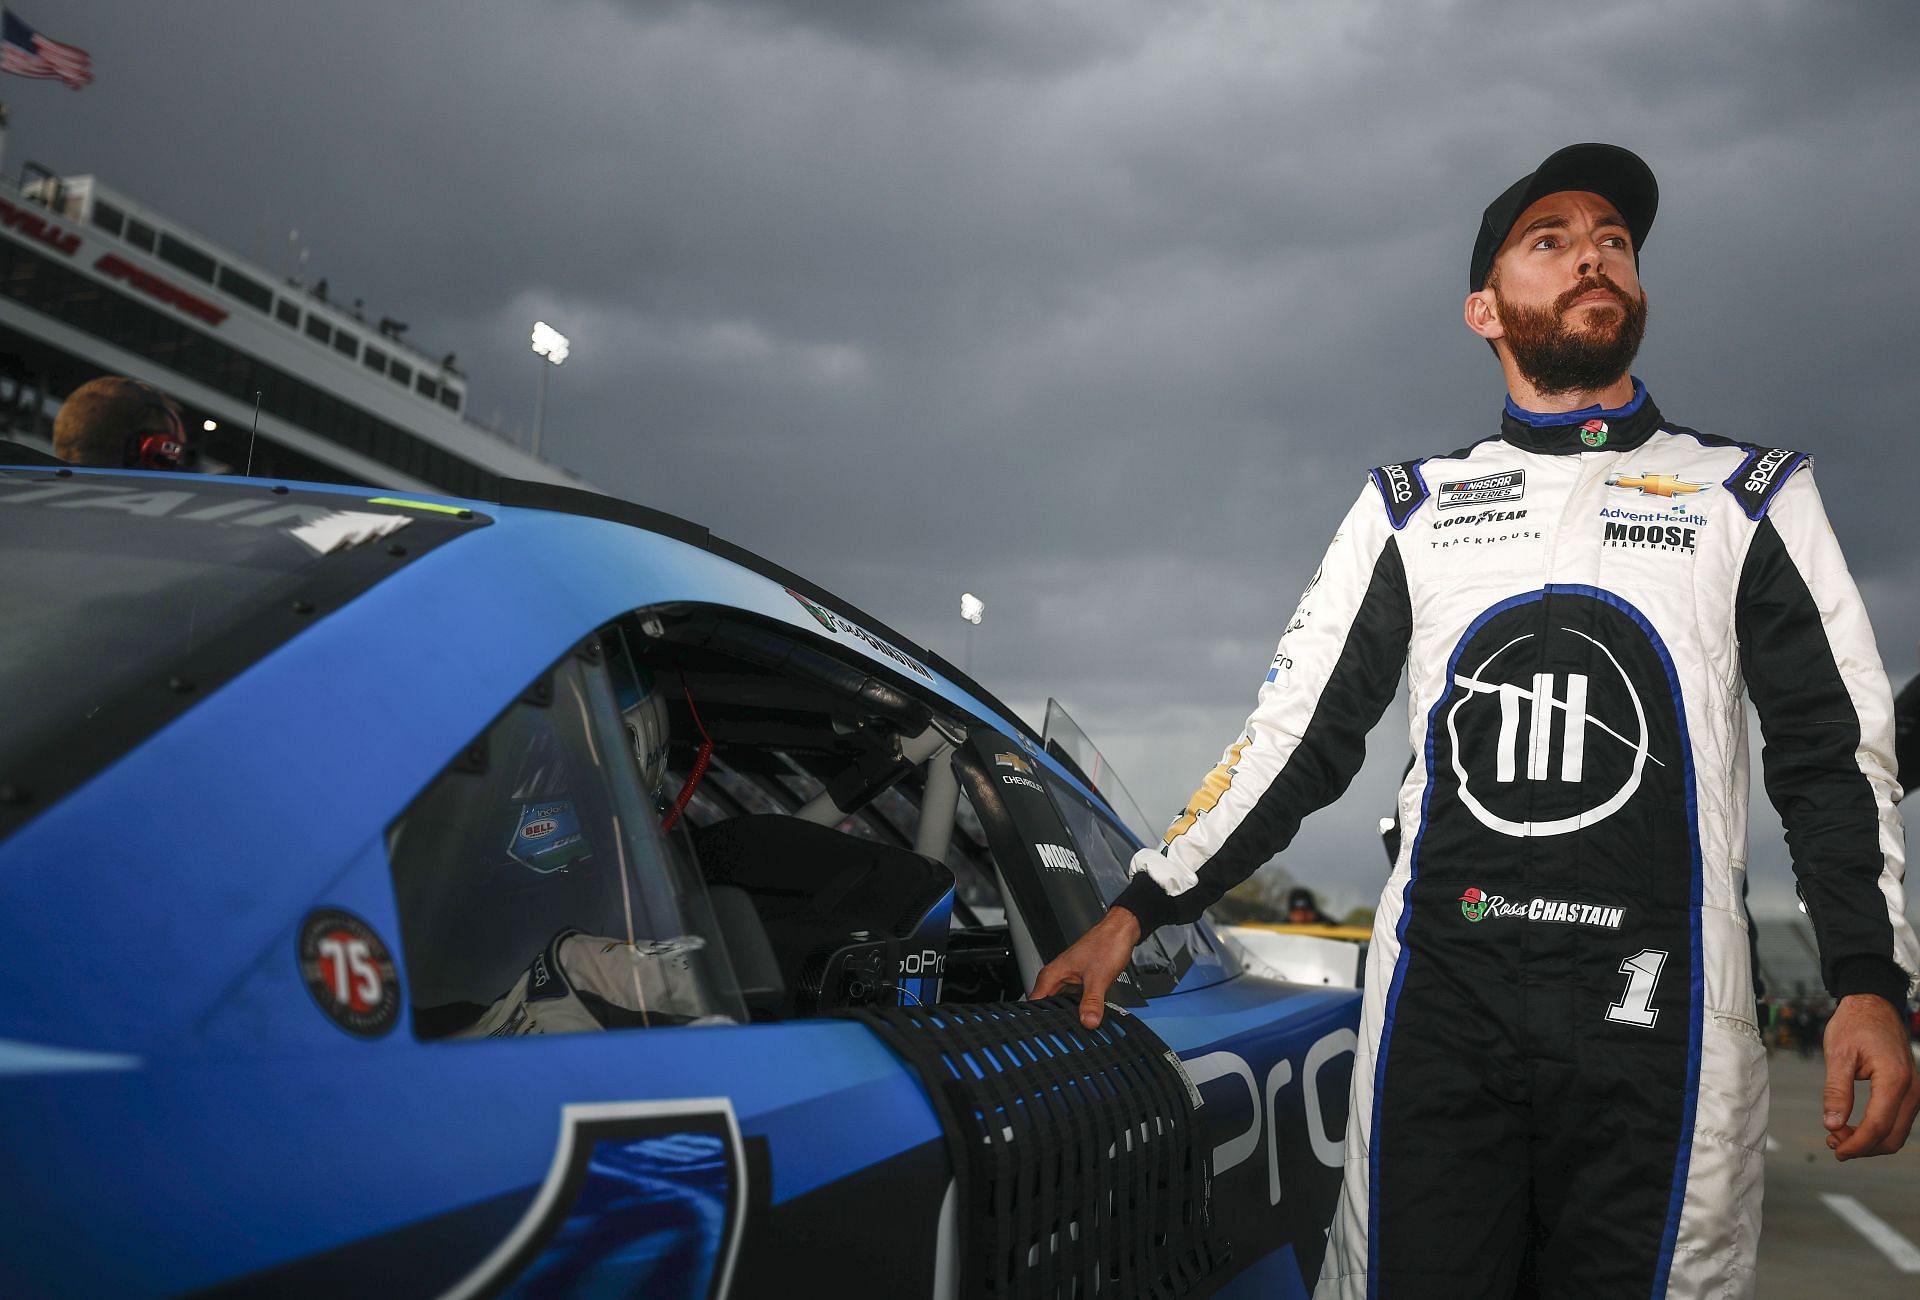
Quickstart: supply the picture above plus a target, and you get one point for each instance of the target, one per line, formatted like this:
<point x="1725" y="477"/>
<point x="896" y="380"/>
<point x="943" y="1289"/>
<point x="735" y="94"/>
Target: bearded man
<point x="1559" y="1087"/>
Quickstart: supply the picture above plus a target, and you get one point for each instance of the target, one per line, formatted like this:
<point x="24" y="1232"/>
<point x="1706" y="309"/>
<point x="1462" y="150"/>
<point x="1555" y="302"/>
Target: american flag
<point x="26" y="53"/>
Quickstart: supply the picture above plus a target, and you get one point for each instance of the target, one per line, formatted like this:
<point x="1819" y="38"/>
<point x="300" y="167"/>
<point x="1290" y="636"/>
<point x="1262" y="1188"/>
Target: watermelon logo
<point x="1594" y="433"/>
<point x="1473" y="904"/>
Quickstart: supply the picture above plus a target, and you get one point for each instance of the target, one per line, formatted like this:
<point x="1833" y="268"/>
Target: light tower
<point x="550" y="343"/>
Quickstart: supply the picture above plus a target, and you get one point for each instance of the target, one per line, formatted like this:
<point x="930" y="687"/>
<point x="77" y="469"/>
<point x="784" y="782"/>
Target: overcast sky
<point x="1097" y="309"/>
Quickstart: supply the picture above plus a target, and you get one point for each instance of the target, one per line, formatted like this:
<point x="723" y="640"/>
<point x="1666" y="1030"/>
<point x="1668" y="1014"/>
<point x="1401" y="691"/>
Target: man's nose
<point x="1591" y="256"/>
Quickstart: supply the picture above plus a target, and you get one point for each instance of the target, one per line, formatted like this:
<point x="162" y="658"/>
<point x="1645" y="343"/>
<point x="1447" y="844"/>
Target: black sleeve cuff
<point x="1870" y="974"/>
<point x="1151" y="905"/>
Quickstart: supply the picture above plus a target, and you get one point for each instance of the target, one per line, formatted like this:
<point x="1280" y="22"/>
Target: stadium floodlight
<point x="972" y="609"/>
<point x="549" y="342"/>
<point x="553" y="345"/>
<point x="209" y="425"/>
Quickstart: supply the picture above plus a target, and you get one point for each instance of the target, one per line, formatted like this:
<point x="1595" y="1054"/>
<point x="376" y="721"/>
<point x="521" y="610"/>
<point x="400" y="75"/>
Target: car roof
<point x="293" y="769"/>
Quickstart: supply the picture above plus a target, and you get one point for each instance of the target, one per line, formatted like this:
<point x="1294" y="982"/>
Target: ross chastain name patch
<point x="1509" y="485"/>
<point x="1476" y="907"/>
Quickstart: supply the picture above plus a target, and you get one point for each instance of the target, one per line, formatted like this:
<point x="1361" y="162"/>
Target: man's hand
<point x="1095" y="960"/>
<point x="1865" y="1040"/>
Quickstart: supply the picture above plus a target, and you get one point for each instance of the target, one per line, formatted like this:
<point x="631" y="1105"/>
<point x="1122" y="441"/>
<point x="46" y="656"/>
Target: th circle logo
<point x="1557" y="712"/>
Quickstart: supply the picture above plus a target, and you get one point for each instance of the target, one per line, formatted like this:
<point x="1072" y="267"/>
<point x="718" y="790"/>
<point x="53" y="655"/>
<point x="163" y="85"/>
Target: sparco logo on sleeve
<point x="1760" y="477"/>
<point x="1399" y="483"/>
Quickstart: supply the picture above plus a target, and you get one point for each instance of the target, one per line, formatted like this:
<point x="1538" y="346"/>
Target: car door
<point x="1272" y="1063"/>
<point x="605" y="1115"/>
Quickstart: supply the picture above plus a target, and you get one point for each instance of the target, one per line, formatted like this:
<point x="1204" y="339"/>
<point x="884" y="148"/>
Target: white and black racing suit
<point x="1559" y="1082"/>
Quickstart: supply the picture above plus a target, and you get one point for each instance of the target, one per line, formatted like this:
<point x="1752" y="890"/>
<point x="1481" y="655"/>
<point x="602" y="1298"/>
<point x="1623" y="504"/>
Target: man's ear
<point x="1482" y="316"/>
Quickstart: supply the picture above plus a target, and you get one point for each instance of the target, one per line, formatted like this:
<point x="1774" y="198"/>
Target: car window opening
<point x="722" y="821"/>
<point x="830" y="804"/>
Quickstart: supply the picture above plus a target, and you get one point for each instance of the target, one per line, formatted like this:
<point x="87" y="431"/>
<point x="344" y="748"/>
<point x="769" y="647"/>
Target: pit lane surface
<point x="1807" y="1247"/>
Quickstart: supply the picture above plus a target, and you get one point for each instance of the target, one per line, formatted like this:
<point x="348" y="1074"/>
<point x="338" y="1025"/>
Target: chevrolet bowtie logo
<point x="1013" y="761"/>
<point x="1655" y="485"/>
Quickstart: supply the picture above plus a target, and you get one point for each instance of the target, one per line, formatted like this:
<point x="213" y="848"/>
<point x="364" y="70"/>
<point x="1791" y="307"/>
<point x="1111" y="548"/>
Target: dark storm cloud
<point x="1098" y="310"/>
<point x="1001" y="37"/>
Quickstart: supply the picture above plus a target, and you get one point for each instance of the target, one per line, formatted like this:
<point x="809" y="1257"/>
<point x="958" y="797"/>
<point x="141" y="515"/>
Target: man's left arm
<point x="1826" y="715"/>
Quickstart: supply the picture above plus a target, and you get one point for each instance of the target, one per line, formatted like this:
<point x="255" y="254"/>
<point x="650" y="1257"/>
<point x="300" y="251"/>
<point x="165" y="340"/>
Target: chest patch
<point x="1508" y="485"/>
<point x="1559" y="714"/>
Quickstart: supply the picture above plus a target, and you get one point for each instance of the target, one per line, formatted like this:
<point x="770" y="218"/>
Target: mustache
<point x="1587" y="286"/>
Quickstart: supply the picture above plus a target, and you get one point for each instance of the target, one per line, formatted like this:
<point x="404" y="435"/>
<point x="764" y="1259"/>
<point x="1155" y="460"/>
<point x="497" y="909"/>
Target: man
<point x="1304" y="909"/>
<point x="117" y="423"/>
<point x="1559" y="1084"/>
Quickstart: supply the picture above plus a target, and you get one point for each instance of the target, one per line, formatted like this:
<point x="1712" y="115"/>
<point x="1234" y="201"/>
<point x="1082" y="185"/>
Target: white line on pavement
<point x="1888" y="1242"/>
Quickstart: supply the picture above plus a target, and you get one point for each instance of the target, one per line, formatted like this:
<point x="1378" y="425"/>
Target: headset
<point x="158" y="449"/>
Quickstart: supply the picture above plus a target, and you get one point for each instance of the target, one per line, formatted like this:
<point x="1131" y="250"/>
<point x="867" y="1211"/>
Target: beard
<point x="1557" y="358"/>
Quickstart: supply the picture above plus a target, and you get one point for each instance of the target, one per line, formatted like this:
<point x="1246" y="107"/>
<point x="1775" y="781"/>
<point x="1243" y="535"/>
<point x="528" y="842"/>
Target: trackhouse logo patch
<point x="1558" y="713"/>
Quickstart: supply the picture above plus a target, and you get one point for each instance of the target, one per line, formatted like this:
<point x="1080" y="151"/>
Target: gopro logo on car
<point x="1328" y="1148"/>
<point x="924" y="962"/>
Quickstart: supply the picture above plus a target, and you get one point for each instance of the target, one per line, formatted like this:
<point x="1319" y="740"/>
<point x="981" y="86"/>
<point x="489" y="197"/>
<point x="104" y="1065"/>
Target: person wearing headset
<point x="118" y="423"/>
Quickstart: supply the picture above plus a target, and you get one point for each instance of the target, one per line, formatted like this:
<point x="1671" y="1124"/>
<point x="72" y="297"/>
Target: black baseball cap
<point x="1615" y="174"/>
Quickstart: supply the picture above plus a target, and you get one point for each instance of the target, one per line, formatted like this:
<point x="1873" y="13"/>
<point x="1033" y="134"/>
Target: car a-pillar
<point x="1042" y="876"/>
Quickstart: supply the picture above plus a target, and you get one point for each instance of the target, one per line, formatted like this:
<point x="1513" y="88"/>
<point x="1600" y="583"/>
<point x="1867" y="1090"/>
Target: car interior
<point x="845" y="864"/>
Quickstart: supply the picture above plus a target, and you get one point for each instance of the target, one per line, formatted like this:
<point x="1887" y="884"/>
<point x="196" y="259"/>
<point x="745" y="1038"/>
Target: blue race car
<point x="542" y="896"/>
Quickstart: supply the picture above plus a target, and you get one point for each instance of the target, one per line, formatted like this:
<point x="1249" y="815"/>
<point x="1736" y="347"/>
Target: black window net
<point x="1082" y="1168"/>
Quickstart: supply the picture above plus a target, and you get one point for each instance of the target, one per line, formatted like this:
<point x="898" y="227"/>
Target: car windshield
<point x="121" y="597"/>
<point x="1066" y="741"/>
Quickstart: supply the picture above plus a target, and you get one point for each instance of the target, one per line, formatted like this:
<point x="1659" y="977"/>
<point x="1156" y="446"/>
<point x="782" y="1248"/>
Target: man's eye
<point x="1546" y="241"/>
<point x="1615" y="241"/>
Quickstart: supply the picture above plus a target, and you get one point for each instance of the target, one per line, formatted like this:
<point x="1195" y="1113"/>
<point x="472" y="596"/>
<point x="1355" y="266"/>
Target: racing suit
<point x="1559" y="1081"/>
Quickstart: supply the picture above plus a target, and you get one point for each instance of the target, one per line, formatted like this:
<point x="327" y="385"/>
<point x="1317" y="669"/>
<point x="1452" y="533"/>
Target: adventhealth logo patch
<point x="1477" y="906"/>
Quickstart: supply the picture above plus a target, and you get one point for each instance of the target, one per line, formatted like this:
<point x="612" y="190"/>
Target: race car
<point x="415" y="896"/>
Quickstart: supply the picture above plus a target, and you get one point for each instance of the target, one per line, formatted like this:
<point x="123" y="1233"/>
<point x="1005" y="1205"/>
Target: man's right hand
<point x="1094" y="962"/>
